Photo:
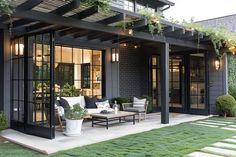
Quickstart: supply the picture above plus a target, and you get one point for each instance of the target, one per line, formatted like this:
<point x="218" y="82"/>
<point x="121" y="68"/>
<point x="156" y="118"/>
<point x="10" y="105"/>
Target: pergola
<point x="74" y="20"/>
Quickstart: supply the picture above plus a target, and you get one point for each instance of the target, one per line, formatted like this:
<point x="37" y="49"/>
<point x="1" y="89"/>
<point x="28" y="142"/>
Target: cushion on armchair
<point x="139" y="103"/>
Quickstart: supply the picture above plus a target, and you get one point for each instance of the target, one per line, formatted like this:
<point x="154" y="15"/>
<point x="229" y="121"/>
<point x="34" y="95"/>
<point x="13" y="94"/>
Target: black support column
<point x="1" y="69"/>
<point x="165" y="83"/>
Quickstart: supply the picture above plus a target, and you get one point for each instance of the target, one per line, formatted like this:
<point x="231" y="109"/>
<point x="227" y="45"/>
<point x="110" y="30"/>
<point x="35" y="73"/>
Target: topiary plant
<point x="226" y="105"/>
<point x="3" y="121"/>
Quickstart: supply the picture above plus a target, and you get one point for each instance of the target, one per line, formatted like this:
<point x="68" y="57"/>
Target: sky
<point x="200" y="9"/>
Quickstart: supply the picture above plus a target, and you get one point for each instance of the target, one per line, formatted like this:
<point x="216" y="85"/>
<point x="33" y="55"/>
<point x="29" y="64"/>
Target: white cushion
<point x="103" y="105"/>
<point x="94" y="110"/>
<point x="140" y="103"/>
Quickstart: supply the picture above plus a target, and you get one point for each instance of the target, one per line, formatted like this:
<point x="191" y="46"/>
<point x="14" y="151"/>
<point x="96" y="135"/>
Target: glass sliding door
<point x="37" y="85"/>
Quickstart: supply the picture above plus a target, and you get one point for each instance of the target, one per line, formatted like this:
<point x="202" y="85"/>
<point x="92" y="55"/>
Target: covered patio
<point x="39" y="28"/>
<point x="94" y="135"/>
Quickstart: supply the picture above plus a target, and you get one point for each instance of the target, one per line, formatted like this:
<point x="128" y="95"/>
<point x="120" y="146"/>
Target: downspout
<point x="166" y="8"/>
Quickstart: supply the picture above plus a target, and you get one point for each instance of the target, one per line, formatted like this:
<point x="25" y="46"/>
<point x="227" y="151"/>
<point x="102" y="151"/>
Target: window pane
<point x="97" y="57"/>
<point x="77" y="55"/>
<point x="87" y="57"/>
<point x="57" y="54"/>
<point x="66" y="55"/>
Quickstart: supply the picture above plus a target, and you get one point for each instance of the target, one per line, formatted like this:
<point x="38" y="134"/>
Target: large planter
<point x="73" y="127"/>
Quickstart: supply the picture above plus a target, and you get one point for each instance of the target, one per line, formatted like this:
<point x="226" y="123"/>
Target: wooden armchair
<point x="141" y="112"/>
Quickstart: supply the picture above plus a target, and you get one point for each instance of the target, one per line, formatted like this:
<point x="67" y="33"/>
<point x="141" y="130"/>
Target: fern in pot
<point x="74" y="118"/>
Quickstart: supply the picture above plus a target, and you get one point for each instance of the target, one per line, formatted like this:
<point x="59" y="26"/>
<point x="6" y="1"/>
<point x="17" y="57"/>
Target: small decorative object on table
<point x="115" y="107"/>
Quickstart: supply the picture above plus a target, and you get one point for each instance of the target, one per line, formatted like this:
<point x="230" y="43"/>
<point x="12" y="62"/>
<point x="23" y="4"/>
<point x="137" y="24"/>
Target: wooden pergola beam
<point x="113" y="19"/>
<point x="86" y="13"/>
<point x="71" y="22"/>
<point x="59" y="11"/>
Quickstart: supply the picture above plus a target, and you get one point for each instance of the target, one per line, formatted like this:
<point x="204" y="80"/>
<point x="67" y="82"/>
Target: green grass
<point x="173" y="141"/>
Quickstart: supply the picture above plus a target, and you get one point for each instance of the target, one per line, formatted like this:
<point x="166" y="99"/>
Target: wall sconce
<point x="114" y="55"/>
<point x="217" y="63"/>
<point x="19" y="49"/>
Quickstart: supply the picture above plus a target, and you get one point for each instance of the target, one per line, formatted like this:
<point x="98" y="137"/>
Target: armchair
<point x="141" y="111"/>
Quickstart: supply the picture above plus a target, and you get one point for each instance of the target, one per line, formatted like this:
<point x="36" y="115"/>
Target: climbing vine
<point x="153" y="20"/>
<point x="220" y="37"/>
<point x="6" y="7"/>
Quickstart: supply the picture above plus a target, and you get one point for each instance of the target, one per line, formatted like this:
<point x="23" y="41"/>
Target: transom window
<point x="129" y="5"/>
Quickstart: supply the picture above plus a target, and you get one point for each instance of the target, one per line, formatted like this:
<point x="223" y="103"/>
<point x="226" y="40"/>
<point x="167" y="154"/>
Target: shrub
<point x="75" y="113"/>
<point x="150" y="103"/>
<point x="121" y="100"/>
<point x="232" y="90"/>
<point x="226" y="105"/>
<point x="3" y="121"/>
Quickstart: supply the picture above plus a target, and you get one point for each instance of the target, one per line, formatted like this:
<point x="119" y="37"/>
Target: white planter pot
<point x="73" y="127"/>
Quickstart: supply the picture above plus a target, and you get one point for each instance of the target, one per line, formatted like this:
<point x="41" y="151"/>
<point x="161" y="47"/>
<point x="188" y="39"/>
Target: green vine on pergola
<point x="220" y="37"/>
<point x="6" y="7"/>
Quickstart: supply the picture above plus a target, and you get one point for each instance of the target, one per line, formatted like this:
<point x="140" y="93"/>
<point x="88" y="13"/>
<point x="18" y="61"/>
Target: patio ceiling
<point x="75" y="20"/>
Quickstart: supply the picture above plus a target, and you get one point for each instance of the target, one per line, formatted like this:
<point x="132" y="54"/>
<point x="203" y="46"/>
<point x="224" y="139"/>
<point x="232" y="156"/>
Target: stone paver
<point x="201" y="154"/>
<point x="224" y="145"/>
<point x="218" y="121"/>
<point x="231" y="129"/>
<point x="211" y="123"/>
<point x="233" y="126"/>
<point x="213" y="126"/>
<point x="230" y="140"/>
<point x="220" y="151"/>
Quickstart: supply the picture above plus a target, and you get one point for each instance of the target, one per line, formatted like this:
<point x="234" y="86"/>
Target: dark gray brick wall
<point x="133" y="72"/>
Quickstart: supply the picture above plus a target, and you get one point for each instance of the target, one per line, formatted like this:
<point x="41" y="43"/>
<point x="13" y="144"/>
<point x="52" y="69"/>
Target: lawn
<point x="175" y="141"/>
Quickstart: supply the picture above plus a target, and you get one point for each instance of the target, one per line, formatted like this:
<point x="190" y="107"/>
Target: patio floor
<point x="94" y="135"/>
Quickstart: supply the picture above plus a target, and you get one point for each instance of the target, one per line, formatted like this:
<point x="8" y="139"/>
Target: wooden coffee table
<point x="106" y="119"/>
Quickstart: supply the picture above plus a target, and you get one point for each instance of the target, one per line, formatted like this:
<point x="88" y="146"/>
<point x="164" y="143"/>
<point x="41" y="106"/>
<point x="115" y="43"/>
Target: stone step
<point x="213" y="126"/>
<point x="201" y="154"/>
<point x="230" y="140"/>
<point x="231" y="129"/>
<point x="224" y="145"/>
<point x="211" y="123"/>
<point x="218" y="121"/>
<point x="220" y="151"/>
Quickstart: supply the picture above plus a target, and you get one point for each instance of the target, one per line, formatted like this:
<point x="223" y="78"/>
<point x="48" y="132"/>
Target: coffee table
<point x="106" y="119"/>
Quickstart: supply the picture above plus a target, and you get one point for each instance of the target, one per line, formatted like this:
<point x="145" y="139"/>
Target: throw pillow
<point x="103" y="105"/>
<point x="90" y="102"/>
<point x="64" y="103"/>
<point x="139" y="103"/>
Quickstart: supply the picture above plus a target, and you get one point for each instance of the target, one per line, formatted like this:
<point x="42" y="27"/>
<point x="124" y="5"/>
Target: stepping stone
<point x="220" y="151"/>
<point x="233" y="126"/>
<point x="211" y="123"/>
<point x="201" y="154"/>
<point x="213" y="126"/>
<point x="231" y="129"/>
<point x="230" y="140"/>
<point x="225" y="145"/>
<point x="218" y="121"/>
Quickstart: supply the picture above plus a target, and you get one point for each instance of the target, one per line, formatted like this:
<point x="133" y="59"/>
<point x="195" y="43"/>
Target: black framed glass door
<point x="33" y="101"/>
<point x="198" y="84"/>
<point x="176" y="83"/>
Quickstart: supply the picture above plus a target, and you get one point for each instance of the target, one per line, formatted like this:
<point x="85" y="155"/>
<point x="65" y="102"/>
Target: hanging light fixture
<point x="217" y="63"/>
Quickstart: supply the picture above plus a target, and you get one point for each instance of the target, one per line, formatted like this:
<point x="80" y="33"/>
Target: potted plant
<point x="74" y="118"/>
